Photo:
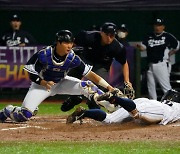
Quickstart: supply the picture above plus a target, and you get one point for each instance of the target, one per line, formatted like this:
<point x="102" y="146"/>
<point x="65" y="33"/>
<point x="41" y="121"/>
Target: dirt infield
<point x="53" y="128"/>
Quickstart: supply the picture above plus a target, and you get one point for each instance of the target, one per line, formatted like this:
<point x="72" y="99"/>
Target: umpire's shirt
<point x="97" y="54"/>
<point x="157" y="44"/>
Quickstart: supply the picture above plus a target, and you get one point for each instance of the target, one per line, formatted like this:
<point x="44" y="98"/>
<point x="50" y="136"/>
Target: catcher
<point x="146" y="110"/>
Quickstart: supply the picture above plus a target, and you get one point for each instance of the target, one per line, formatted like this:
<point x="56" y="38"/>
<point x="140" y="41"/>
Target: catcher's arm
<point x="98" y="80"/>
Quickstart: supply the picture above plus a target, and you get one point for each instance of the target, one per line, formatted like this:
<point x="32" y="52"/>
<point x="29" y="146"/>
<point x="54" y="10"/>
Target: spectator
<point x="15" y="36"/>
<point x="122" y="34"/>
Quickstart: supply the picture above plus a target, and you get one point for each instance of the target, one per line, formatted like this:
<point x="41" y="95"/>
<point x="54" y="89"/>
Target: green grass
<point x="91" y="147"/>
<point x="48" y="108"/>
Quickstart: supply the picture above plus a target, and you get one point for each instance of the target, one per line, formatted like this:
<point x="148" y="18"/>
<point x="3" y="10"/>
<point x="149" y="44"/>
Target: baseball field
<point x="47" y="132"/>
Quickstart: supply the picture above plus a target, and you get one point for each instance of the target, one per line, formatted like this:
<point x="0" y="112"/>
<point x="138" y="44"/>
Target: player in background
<point x="16" y="36"/>
<point x="156" y="44"/>
<point x="48" y="70"/>
<point x="146" y="110"/>
<point x="99" y="50"/>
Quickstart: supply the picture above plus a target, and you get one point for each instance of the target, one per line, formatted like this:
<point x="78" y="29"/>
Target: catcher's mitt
<point x="128" y="90"/>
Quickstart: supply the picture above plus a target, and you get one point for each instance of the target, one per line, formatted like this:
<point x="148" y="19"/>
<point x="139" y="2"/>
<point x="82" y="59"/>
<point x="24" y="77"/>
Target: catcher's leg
<point x="18" y="114"/>
<point x="34" y="97"/>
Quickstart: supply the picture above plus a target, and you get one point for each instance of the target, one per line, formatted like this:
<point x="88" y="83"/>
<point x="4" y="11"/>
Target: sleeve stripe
<point x="87" y="69"/>
<point x="30" y="69"/>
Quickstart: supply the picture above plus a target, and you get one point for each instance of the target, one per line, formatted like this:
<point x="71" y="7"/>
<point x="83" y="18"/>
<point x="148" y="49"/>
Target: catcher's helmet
<point x="171" y="95"/>
<point x="64" y="36"/>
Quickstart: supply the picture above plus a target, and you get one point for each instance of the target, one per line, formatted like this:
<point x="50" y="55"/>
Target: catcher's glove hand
<point x="128" y="90"/>
<point x="108" y="95"/>
<point x="119" y="93"/>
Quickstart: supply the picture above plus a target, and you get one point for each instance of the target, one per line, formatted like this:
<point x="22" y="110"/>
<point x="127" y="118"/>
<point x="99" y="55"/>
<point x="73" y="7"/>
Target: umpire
<point x="156" y="44"/>
<point x="99" y="50"/>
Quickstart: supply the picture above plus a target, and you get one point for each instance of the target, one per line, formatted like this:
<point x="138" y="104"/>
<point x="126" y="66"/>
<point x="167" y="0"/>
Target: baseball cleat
<point x="76" y="115"/>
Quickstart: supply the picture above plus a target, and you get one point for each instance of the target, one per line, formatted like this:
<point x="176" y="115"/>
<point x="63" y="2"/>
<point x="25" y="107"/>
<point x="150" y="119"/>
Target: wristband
<point x="103" y="83"/>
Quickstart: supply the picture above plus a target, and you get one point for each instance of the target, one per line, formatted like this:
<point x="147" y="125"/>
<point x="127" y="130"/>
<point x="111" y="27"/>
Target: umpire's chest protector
<point x="54" y="71"/>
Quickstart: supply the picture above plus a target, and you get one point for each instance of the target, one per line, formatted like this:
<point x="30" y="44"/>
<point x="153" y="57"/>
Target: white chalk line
<point x="63" y="121"/>
<point x="175" y="125"/>
<point x="43" y="128"/>
<point x="23" y="127"/>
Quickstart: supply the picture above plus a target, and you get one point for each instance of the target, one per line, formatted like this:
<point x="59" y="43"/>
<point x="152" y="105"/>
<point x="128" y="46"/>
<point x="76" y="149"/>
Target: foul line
<point x="16" y="128"/>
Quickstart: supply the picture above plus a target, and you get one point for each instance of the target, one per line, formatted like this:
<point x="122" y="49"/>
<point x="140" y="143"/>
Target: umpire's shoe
<point x="76" y="115"/>
<point x="70" y="102"/>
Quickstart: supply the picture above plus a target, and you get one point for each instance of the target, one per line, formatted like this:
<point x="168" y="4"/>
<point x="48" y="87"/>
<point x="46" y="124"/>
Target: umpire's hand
<point x="47" y="84"/>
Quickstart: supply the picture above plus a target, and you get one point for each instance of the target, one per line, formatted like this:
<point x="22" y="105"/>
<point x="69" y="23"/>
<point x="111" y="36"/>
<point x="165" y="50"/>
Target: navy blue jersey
<point x="95" y="53"/>
<point x="47" y="65"/>
<point x="14" y="38"/>
<point x="157" y="44"/>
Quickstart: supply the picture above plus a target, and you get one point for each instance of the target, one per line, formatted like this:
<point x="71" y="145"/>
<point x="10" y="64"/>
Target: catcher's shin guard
<point x="5" y="113"/>
<point x="21" y="114"/>
<point x="3" y="117"/>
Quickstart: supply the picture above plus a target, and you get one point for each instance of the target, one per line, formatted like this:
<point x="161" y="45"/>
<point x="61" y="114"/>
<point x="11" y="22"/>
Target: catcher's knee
<point x="21" y="114"/>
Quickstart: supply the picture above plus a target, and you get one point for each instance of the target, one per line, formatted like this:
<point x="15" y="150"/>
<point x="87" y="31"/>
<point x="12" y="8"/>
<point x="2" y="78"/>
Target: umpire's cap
<point x="109" y="28"/>
<point x="64" y="36"/>
<point x="15" y="17"/>
<point x="159" y="21"/>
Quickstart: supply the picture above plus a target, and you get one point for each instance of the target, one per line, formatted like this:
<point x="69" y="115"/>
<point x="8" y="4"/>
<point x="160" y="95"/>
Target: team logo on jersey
<point x="13" y="42"/>
<point x="153" y="43"/>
